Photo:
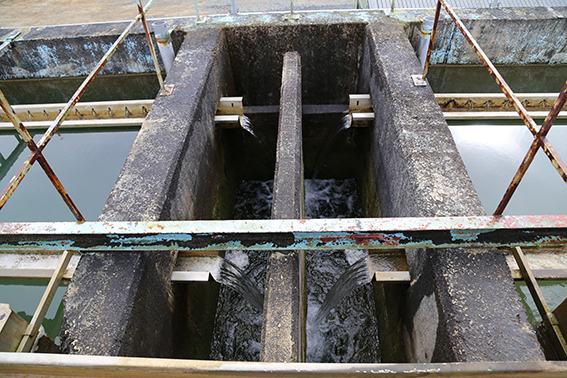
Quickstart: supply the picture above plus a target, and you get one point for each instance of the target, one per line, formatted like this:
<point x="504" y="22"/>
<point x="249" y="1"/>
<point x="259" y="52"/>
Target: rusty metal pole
<point x="432" y="39"/>
<point x="142" y="14"/>
<point x="24" y="169"/>
<point x="26" y="137"/>
<point x="536" y="144"/>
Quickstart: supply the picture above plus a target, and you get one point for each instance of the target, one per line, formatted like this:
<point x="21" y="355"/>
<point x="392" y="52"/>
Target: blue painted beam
<point x="287" y="234"/>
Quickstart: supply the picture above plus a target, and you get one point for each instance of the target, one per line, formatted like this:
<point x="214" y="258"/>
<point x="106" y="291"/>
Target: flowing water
<point x="337" y="283"/>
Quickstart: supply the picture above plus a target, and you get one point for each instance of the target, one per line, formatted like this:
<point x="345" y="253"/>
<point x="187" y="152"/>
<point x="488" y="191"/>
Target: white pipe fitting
<point x="163" y="39"/>
<point x="426" y="29"/>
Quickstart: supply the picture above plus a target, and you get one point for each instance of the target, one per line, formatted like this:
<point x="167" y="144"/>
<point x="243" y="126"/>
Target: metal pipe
<point x="150" y="43"/>
<point x="25" y="167"/>
<point x="197" y="11"/>
<point x="432" y="39"/>
<point x="163" y="39"/>
<point x="233" y="7"/>
<point x="536" y="144"/>
<point x="286" y="234"/>
<point x="426" y="30"/>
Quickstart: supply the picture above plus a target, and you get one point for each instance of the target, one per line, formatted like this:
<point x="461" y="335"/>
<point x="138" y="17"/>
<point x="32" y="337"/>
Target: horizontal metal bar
<point x="82" y="110"/>
<point x="493" y="101"/>
<point x="286" y="234"/>
<point x="305" y="109"/>
<point x="61" y="365"/>
<point x="80" y="124"/>
<point x="33" y="274"/>
<point x="478" y="115"/>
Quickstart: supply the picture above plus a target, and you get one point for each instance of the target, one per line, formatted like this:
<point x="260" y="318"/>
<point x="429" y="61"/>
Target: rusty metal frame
<point x="37" y="149"/>
<point x="540" y="139"/>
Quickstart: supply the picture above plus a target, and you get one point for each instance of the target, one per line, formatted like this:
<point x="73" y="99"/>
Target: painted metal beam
<point x="61" y="365"/>
<point x="286" y="234"/>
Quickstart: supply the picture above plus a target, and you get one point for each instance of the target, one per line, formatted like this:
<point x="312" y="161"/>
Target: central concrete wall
<point x="462" y="304"/>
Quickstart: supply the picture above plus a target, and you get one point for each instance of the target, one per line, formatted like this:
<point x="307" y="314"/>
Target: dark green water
<point x="86" y="163"/>
<point x="476" y="79"/>
<point x="60" y="90"/>
<point x="24" y="296"/>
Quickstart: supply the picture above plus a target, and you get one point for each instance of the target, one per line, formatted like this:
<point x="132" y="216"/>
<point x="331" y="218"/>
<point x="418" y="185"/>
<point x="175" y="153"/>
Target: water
<point x="345" y="124"/>
<point x="232" y="276"/>
<point x="492" y="155"/>
<point x="493" y="150"/>
<point x="346" y="330"/>
<point x="353" y="276"/>
<point x="87" y="164"/>
<point x="24" y="296"/>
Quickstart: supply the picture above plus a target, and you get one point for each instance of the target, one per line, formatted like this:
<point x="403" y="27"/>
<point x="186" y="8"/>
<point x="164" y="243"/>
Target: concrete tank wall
<point x="450" y="310"/>
<point x="174" y="172"/>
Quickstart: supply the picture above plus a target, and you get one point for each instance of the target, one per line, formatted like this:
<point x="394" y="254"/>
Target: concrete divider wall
<point x="508" y="36"/>
<point x="462" y="304"/>
<point x="120" y="304"/>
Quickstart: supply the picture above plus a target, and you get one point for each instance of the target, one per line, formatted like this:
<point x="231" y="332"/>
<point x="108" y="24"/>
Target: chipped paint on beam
<point x="363" y="233"/>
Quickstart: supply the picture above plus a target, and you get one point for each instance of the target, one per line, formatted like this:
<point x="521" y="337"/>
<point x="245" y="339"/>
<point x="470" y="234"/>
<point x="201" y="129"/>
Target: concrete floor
<point x="22" y="13"/>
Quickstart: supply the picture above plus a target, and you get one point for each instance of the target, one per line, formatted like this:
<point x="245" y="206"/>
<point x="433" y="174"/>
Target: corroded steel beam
<point x="286" y="234"/>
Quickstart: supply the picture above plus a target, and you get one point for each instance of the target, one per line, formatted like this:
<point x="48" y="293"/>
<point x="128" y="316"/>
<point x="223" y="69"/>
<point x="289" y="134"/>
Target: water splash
<point x="246" y="124"/>
<point x="332" y="198"/>
<point x="345" y="124"/>
<point x="233" y="277"/>
<point x="354" y="276"/>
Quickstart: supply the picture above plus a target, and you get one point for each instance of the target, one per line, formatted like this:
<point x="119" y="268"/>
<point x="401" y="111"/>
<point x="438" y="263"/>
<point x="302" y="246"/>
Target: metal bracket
<point x="167" y="90"/>
<point x="418" y="80"/>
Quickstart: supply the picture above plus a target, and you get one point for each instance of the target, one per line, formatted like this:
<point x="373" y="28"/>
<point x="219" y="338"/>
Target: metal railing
<point x="540" y="141"/>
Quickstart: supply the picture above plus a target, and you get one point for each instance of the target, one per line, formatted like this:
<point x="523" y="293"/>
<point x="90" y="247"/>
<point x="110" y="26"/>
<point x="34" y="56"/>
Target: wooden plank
<point x="12" y="327"/>
<point x="551" y="324"/>
<point x="391" y="277"/>
<point x="33" y="274"/>
<point x="32" y="329"/>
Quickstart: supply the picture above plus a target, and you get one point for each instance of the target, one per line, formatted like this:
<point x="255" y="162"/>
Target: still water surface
<point x="87" y="164"/>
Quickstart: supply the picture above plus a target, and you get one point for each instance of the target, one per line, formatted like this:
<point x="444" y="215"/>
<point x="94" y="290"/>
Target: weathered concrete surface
<point x="284" y="298"/>
<point x="462" y="304"/>
<point x="63" y="51"/>
<point x="507" y="35"/>
<point x="121" y="304"/>
<point x="330" y="53"/>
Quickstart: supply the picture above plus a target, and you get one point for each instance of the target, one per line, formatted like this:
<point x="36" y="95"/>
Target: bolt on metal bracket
<point x="418" y="80"/>
<point x="167" y="90"/>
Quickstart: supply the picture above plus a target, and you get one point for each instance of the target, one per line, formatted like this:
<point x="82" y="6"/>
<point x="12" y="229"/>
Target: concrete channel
<point x="461" y="305"/>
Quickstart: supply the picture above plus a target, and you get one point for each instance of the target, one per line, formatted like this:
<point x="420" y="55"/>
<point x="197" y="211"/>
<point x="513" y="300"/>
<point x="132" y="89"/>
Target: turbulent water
<point x="346" y="330"/>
